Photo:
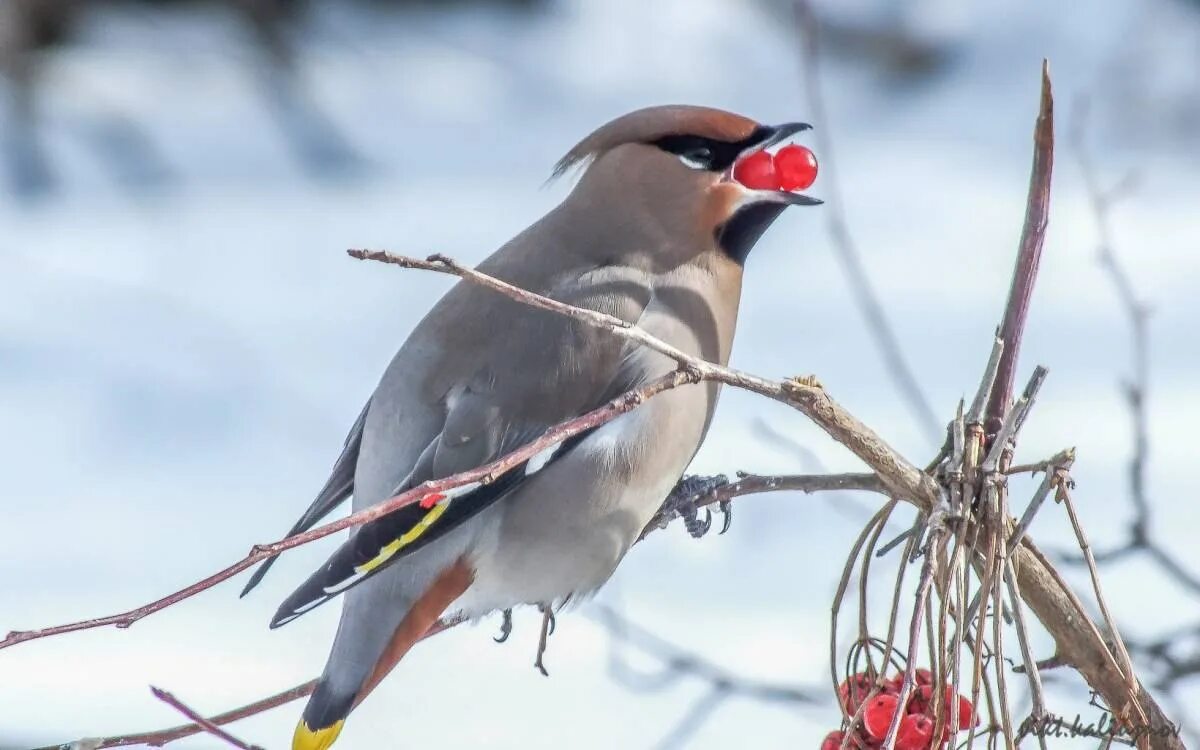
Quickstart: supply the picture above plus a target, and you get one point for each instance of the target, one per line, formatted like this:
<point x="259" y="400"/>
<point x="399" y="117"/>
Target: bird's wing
<point x="338" y="487"/>
<point x="476" y="432"/>
<point x="507" y="372"/>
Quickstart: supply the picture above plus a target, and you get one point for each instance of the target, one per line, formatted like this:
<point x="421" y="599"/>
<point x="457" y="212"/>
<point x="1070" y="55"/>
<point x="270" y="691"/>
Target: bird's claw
<point x="726" y="508"/>
<point x="684" y="498"/>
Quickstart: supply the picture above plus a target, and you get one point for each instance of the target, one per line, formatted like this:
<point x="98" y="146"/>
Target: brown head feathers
<point x="654" y="123"/>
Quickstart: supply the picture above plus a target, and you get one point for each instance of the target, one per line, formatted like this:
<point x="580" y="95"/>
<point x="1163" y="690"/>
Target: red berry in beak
<point x="757" y="171"/>
<point x="796" y="167"/>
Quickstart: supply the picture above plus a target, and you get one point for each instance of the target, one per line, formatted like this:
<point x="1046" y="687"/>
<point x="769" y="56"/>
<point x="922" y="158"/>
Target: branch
<point x="161" y="737"/>
<point x="200" y="721"/>
<point x="1033" y="235"/>
<point x="484" y="475"/>
<point x="747" y="485"/>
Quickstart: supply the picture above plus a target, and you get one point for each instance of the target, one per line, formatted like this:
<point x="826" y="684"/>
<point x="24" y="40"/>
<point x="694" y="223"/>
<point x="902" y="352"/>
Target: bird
<point x="656" y="231"/>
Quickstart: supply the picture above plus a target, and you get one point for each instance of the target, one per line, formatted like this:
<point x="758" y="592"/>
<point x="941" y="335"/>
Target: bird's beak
<point x="782" y="196"/>
<point x="771" y="135"/>
<point x="778" y="134"/>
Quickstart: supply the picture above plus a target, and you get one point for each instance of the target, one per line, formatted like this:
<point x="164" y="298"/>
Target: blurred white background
<point x="184" y="343"/>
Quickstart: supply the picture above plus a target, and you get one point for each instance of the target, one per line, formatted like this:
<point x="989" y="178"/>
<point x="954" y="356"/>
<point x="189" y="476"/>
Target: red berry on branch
<point x="854" y="691"/>
<point x="915" y="733"/>
<point x="921" y="701"/>
<point x="796" y="166"/>
<point x="757" y="171"/>
<point x="966" y="710"/>
<point x="878" y="715"/>
<point x="833" y="741"/>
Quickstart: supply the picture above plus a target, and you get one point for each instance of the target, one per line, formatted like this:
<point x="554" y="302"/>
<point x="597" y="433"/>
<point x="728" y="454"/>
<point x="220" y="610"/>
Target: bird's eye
<point x="697" y="158"/>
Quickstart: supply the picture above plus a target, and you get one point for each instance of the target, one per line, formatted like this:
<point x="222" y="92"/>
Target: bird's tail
<point x="381" y="620"/>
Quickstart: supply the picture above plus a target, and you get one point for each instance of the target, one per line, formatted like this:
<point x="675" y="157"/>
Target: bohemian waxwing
<point x="656" y="233"/>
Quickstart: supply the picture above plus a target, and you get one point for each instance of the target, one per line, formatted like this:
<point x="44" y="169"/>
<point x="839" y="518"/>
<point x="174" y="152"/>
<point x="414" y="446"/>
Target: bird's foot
<point x="685" y="502"/>
<point x="505" y="627"/>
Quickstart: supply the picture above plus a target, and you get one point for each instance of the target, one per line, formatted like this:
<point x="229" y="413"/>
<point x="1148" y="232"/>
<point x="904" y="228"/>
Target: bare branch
<point x="1033" y="235"/>
<point x="161" y="737"/>
<point x="483" y="474"/>
<point x="748" y="485"/>
<point x="201" y="722"/>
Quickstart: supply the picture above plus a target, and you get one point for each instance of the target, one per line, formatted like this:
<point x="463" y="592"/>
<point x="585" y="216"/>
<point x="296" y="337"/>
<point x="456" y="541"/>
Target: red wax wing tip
<point x="757" y="171"/>
<point x="429" y="501"/>
<point x="797" y="168"/>
<point x="878" y="715"/>
<point x="832" y="741"/>
<point x="915" y="733"/>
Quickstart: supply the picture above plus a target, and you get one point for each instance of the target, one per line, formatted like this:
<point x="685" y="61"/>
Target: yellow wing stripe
<point x="404" y="539"/>
<point x="318" y="739"/>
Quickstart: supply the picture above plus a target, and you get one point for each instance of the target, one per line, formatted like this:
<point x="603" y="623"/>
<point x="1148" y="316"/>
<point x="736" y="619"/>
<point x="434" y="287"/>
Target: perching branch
<point x="484" y="474"/>
<point x="682" y="498"/>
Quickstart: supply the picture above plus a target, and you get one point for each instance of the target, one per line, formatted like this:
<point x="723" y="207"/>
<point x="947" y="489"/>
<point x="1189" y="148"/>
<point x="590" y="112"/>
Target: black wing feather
<point x="341" y="571"/>
<point x="338" y="487"/>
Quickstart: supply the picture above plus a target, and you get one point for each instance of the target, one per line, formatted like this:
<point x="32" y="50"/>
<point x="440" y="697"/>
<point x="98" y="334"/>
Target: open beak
<point x="780" y="133"/>
<point x="772" y="135"/>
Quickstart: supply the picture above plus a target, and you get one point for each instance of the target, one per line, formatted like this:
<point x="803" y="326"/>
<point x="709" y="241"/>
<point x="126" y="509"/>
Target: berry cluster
<point x="917" y="717"/>
<point x="793" y="168"/>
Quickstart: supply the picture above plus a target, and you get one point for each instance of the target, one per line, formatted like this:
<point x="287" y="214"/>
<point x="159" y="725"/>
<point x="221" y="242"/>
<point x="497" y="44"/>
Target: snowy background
<point x="183" y="342"/>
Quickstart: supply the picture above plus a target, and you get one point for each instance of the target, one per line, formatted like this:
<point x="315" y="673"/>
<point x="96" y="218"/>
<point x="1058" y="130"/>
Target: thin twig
<point x="201" y="722"/>
<point x="1064" y="494"/>
<point x="483" y="474"/>
<point x="161" y="737"/>
<point x="757" y="485"/>
<point x="1056" y="470"/>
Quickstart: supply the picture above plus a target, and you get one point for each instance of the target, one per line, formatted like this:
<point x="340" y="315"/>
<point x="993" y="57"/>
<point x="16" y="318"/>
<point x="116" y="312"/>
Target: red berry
<point x="757" y="171"/>
<point x="878" y="715"/>
<point x="854" y="691"/>
<point x="915" y="733"/>
<point x="966" y="710"/>
<point x="796" y="167"/>
<point x="921" y="701"/>
<point x="922" y="677"/>
<point x="833" y="741"/>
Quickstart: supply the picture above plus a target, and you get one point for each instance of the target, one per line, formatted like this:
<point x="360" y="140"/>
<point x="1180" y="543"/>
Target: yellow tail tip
<point x="320" y="739"/>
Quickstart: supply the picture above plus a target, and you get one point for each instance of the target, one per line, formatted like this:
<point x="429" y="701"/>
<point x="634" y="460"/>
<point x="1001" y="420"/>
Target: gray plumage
<point x="482" y="374"/>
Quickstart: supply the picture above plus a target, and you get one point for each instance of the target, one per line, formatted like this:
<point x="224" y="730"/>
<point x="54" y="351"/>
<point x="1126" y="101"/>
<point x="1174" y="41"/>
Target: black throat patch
<point x="738" y="235"/>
